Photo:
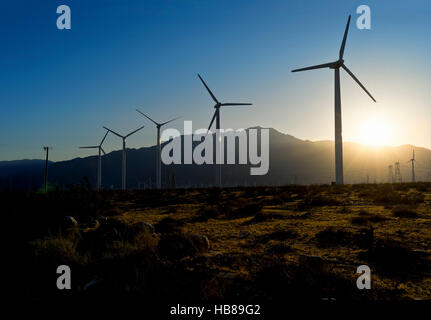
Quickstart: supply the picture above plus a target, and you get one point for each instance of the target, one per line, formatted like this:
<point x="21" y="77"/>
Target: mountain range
<point x="291" y="161"/>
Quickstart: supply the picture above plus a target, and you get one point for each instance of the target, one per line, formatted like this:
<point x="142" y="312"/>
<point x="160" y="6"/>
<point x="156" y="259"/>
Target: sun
<point x="374" y="132"/>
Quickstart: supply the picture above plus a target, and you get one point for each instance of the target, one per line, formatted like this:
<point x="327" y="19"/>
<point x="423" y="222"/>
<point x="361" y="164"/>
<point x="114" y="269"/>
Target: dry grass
<point x="262" y="240"/>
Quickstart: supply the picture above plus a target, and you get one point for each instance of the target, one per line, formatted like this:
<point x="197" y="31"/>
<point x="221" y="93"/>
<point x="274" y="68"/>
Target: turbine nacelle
<point x="337" y="64"/>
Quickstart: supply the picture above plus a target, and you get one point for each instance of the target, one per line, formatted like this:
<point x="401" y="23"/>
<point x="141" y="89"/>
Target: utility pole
<point x="46" y="168"/>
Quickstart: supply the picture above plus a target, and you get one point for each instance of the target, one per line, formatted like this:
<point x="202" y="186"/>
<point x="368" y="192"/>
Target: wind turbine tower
<point x="123" y="167"/>
<point x="412" y="160"/>
<point x="336" y="65"/>
<point x="46" y="167"/>
<point x="216" y="117"/>
<point x="99" y="167"/>
<point x="391" y="174"/>
<point x="159" y="151"/>
<point x="398" y="177"/>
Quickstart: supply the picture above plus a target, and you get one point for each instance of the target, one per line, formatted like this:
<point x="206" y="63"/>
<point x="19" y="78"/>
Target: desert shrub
<point x="394" y="260"/>
<point x="344" y="209"/>
<point x="168" y="225"/>
<point x="249" y="209"/>
<point x="404" y="212"/>
<point x="365" y="217"/>
<point x="179" y="245"/>
<point x="361" y="221"/>
<point x="385" y="195"/>
<point x="56" y="251"/>
<point x="278" y="248"/>
<point x="330" y="237"/>
<point x="308" y="280"/>
<point x="412" y="198"/>
<point x="283" y="235"/>
<point x="318" y="200"/>
<point x="281" y="198"/>
<point x="208" y="212"/>
<point x="364" y="212"/>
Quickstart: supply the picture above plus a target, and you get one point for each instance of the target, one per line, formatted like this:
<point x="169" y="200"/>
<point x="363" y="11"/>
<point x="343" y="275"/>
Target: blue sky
<point x="59" y="87"/>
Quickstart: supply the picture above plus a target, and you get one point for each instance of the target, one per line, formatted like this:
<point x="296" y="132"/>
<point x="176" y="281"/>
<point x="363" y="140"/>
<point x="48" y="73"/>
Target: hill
<point x="291" y="161"/>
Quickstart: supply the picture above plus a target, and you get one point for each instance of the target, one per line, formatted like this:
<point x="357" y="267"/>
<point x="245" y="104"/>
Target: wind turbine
<point x="412" y="160"/>
<point x="99" y="168"/>
<point x="216" y="116"/>
<point x="159" y="158"/>
<point x="123" y="171"/>
<point x="336" y="65"/>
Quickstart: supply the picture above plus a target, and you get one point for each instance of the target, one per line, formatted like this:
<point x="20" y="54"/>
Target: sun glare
<point x="374" y="132"/>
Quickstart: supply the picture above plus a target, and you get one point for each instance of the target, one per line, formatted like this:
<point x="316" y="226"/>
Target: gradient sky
<point x="59" y="88"/>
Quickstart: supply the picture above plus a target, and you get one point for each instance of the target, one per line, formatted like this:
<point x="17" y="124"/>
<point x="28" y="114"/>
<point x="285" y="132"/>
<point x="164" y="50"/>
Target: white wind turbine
<point x="123" y="171"/>
<point x="336" y="65"/>
<point x="216" y="117"/>
<point x="99" y="168"/>
<point x="159" y="158"/>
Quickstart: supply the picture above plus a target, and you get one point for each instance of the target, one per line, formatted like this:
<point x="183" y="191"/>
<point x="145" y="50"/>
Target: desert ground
<point x="247" y="243"/>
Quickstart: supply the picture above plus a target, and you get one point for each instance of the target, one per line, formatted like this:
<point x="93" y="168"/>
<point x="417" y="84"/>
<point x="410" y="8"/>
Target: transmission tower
<point x="398" y="177"/>
<point x="391" y="174"/>
<point x="412" y="160"/>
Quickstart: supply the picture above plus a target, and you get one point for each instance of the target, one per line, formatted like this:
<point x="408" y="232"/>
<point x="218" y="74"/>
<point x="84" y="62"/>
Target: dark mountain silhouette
<point x="292" y="161"/>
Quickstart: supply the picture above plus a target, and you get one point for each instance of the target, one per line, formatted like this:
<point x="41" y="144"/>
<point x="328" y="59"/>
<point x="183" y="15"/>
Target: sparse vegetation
<point x="276" y="243"/>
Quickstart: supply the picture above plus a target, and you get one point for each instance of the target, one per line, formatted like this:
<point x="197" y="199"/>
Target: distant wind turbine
<point x="216" y="116"/>
<point x="99" y="169"/>
<point x="159" y="158"/>
<point x="336" y="65"/>
<point x="412" y="160"/>
<point x="123" y="171"/>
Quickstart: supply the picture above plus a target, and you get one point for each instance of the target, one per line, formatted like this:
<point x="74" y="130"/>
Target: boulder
<point x="102" y="219"/>
<point x="179" y="245"/>
<point x="201" y="242"/>
<point x="144" y="227"/>
<point x="70" y="222"/>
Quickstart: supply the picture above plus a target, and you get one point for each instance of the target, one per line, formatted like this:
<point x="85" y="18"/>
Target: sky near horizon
<point x="59" y="87"/>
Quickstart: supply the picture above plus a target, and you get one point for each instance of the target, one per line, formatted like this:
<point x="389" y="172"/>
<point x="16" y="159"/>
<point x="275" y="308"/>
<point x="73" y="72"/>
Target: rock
<point x="144" y="227"/>
<point x="70" y="222"/>
<point x="168" y="225"/>
<point x="178" y="245"/>
<point x="94" y="224"/>
<point x="102" y="219"/>
<point x="201" y="242"/>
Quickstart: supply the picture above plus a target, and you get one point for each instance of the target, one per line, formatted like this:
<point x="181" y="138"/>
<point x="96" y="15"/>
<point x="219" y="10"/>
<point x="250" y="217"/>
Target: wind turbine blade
<point x="343" y="44"/>
<point x="134" y="131"/>
<point x="236" y="104"/>
<point x="104" y="137"/>
<point x="162" y="124"/>
<point x="319" y="66"/>
<point x="117" y="134"/>
<point x="103" y="150"/>
<point x="91" y="147"/>
<point x="209" y="91"/>
<point x="212" y="120"/>
<point x="148" y="117"/>
<point x="356" y="79"/>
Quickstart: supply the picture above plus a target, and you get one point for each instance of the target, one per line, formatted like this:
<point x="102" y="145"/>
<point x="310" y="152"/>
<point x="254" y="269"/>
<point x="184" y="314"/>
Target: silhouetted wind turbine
<point x="412" y="160"/>
<point x="159" y="158"/>
<point x="123" y="171"/>
<point x="99" y="169"/>
<point x="336" y="65"/>
<point x="217" y="117"/>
